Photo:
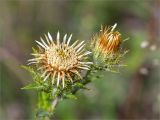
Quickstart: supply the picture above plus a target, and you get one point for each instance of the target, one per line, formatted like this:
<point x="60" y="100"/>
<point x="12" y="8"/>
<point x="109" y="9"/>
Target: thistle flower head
<point x="60" y="61"/>
<point x="106" y="45"/>
<point x="107" y="42"/>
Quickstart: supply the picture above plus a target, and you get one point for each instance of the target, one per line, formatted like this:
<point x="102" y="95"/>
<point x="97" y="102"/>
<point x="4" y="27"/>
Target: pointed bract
<point x="69" y="39"/>
<point x="64" y="38"/>
<point x="50" y="37"/>
<point x="58" y="38"/>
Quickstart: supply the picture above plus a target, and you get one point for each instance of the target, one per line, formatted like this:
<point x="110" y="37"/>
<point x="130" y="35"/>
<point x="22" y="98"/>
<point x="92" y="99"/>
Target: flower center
<point x="62" y="54"/>
<point x="61" y="58"/>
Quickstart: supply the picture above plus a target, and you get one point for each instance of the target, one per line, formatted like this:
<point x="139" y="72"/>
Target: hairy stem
<point x="55" y="103"/>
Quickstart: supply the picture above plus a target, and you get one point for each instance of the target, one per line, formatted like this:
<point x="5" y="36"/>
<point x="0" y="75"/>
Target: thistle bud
<point x="106" y="46"/>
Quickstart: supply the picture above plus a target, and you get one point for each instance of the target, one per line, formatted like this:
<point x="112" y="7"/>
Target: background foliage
<point x="132" y="94"/>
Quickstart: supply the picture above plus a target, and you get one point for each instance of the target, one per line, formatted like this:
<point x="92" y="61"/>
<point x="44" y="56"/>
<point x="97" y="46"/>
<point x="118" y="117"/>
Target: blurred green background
<point x="132" y="94"/>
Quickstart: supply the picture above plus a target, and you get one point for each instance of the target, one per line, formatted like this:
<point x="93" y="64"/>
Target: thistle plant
<point x="60" y="68"/>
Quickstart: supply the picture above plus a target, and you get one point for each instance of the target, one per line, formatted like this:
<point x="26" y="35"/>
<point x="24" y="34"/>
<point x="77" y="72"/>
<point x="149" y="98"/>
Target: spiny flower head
<point x="107" y="42"/>
<point x="106" y="45"/>
<point x="60" y="61"/>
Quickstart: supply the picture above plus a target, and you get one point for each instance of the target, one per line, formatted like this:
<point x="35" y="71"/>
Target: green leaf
<point x="35" y="75"/>
<point x="80" y="85"/>
<point x="28" y="69"/>
<point x="32" y="86"/>
<point x="70" y="96"/>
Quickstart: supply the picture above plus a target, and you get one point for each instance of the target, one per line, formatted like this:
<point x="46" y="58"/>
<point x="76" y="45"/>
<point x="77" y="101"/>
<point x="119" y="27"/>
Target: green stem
<point x="46" y="105"/>
<point x="55" y="103"/>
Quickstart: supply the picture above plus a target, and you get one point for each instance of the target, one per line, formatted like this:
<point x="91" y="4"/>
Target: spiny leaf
<point x="80" y="85"/>
<point x="35" y="75"/>
<point x="28" y="69"/>
<point x="32" y="86"/>
<point x="70" y="96"/>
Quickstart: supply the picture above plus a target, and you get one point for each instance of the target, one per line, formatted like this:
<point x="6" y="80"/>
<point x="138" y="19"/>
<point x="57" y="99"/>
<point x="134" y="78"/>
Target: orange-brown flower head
<point x="60" y="61"/>
<point x="107" y="42"/>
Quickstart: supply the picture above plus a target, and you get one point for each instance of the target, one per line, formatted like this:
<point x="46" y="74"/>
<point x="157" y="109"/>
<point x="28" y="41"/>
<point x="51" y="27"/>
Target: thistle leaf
<point x="32" y="86"/>
<point x="81" y="86"/>
<point x="70" y="96"/>
<point x="28" y="69"/>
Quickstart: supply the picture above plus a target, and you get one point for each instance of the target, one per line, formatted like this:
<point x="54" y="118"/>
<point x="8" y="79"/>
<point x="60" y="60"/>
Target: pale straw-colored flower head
<point x="107" y="42"/>
<point x="60" y="61"/>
